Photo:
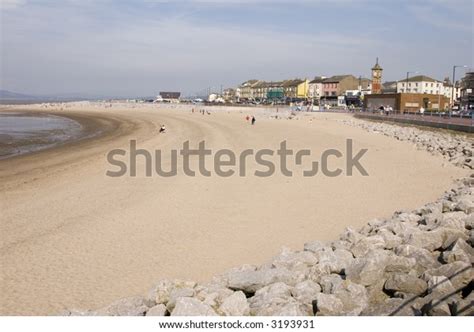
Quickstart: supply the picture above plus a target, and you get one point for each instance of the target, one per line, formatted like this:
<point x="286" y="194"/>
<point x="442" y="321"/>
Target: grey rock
<point x="131" y="306"/>
<point x="330" y="283"/>
<point x="188" y="306"/>
<point x="344" y="258"/>
<point x="270" y="299"/>
<point x="464" y="307"/>
<point x="354" y="298"/>
<point x="424" y="259"/>
<point x="350" y="235"/>
<point x="454" y="220"/>
<point x="366" y="271"/>
<point x="294" y="259"/>
<point x="292" y="309"/>
<point x="436" y="308"/>
<point x="390" y="239"/>
<point x="459" y="273"/>
<point x="430" y="241"/>
<point x="399" y="264"/>
<point x="158" y="310"/>
<point x="464" y="246"/>
<point x="469" y="222"/>
<point x="305" y="292"/>
<point x="440" y="285"/>
<point x="456" y="255"/>
<point x="314" y="246"/>
<point x="235" y="305"/>
<point x="251" y="281"/>
<point x="177" y="293"/>
<point x="451" y="236"/>
<point x="390" y="307"/>
<point x="405" y="283"/>
<point x="327" y="305"/>
<point x="448" y="205"/>
<point x="465" y="204"/>
<point x="363" y="246"/>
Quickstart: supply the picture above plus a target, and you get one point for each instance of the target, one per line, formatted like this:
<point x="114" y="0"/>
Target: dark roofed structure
<point x="170" y="95"/>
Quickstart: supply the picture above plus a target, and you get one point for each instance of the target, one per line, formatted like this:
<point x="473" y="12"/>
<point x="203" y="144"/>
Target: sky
<point x="138" y="48"/>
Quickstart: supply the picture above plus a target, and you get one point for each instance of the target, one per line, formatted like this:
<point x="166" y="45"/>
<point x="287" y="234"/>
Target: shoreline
<point x="91" y="128"/>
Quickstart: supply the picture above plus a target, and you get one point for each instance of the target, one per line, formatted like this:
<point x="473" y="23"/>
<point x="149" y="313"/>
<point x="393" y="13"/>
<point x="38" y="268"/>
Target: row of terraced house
<point x="327" y="89"/>
<point x="346" y="90"/>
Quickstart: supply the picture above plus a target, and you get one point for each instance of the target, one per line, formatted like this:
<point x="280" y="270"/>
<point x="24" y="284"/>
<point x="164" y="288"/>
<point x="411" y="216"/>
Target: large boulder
<point x="131" y="306"/>
<point x="251" y="281"/>
<point x="270" y="299"/>
<point x="459" y="273"/>
<point x="424" y="259"/>
<point x="367" y="270"/>
<point x="158" y="310"/>
<point x="292" y="260"/>
<point x="177" y="293"/>
<point x="189" y="306"/>
<point x="327" y="305"/>
<point x="440" y="286"/>
<point x="354" y="298"/>
<point x="235" y="305"/>
<point x="405" y="283"/>
<point x="330" y="283"/>
<point x="366" y="244"/>
<point x="305" y="292"/>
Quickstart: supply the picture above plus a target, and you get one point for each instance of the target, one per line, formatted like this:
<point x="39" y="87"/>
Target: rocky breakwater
<point x="413" y="263"/>
<point x="456" y="148"/>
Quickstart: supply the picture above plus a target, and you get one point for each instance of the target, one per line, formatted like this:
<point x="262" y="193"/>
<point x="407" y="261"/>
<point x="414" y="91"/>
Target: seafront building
<point x="349" y="90"/>
<point x="427" y="85"/>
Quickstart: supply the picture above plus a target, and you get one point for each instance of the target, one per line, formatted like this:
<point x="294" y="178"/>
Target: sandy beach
<point x="74" y="238"/>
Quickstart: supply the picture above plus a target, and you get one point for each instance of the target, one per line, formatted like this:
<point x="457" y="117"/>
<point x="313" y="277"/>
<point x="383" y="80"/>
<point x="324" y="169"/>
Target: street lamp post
<point x="408" y="74"/>
<point x="454" y="80"/>
<point x="406" y="84"/>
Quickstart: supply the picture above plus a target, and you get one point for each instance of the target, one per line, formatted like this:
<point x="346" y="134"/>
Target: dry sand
<point x="74" y="238"/>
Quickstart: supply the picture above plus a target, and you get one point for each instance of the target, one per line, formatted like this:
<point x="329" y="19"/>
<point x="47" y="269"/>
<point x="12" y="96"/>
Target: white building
<point x="428" y="85"/>
<point x="315" y="88"/>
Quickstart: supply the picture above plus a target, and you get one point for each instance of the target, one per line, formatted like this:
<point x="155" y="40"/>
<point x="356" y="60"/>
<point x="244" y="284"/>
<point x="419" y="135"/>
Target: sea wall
<point x="414" y="263"/>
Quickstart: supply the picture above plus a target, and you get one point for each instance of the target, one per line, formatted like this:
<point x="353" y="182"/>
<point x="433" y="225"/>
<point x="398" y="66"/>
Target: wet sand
<point x="74" y="238"/>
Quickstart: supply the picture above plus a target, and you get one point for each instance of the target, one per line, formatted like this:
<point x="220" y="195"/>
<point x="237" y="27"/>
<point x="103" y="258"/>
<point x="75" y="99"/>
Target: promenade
<point x="464" y="124"/>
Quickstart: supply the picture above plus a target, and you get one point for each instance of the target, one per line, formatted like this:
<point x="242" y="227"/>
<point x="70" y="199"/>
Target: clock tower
<point x="377" y="78"/>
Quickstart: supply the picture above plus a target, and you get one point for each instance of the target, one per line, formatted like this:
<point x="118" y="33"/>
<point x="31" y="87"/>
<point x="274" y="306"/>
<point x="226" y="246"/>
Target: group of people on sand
<point x="251" y="119"/>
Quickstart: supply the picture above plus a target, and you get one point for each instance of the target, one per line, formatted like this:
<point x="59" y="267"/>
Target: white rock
<point x="327" y="305"/>
<point x="158" y="310"/>
<point x="235" y="305"/>
<point x="188" y="306"/>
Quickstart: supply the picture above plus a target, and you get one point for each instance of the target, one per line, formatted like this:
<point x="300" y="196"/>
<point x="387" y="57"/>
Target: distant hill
<point x="8" y="95"/>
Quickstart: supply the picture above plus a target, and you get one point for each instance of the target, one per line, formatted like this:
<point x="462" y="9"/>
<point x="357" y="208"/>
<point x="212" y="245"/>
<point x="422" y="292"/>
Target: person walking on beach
<point x="162" y="129"/>
<point x="253" y="120"/>
<point x="247" y="118"/>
